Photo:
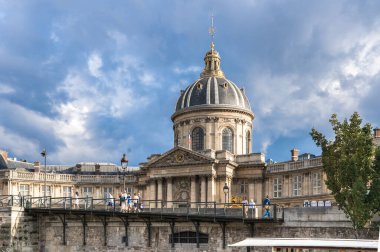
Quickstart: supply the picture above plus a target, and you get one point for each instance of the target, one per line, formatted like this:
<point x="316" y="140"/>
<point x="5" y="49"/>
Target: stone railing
<point x="298" y="165"/>
<point x="64" y="178"/>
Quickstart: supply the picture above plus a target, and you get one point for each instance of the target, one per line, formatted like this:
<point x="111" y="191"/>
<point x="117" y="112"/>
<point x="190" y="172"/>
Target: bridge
<point x="146" y="211"/>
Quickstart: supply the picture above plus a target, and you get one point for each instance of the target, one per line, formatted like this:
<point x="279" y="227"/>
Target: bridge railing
<point x="159" y="207"/>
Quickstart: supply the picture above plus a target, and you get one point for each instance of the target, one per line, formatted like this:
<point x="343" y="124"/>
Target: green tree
<point x="351" y="169"/>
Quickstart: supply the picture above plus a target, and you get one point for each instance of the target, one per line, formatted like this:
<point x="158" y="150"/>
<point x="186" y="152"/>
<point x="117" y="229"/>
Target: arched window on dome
<point x="247" y="142"/>
<point x="197" y="137"/>
<point x="227" y="139"/>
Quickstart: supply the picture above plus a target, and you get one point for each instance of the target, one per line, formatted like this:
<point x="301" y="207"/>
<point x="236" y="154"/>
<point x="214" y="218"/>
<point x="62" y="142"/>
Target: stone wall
<point x="19" y="231"/>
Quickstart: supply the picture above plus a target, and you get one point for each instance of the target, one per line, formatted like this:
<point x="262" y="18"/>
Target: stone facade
<point x="21" y="231"/>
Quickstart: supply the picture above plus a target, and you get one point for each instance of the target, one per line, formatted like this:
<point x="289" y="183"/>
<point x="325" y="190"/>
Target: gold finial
<point x="211" y="31"/>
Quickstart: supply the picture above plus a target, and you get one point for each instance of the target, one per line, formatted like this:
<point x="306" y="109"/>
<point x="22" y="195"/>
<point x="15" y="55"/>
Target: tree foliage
<point x="352" y="171"/>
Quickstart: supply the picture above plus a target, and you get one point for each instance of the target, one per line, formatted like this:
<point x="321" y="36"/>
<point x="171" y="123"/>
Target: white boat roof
<point x="307" y="243"/>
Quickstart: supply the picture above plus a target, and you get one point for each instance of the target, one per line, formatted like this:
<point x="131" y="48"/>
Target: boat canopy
<point x="308" y="243"/>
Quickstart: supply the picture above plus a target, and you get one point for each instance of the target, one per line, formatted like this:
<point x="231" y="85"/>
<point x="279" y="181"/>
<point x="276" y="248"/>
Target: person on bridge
<point x="129" y="202"/>
<point x="252" y="208"/>
<point x="266" y="203"/>
<point x="110" y="200"/>
<point x="76" y="200"/>
<point x="245" y="206"/>
<point x="123" y="201"/>
<point x="135" y="202"/>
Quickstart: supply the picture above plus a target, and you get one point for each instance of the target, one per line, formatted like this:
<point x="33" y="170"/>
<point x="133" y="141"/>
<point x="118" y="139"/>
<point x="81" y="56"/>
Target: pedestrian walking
<point x="76" y="200"/>
<point x="266" y="204"/>
<point x="252" y="208"/>
<point x="245" y="206"/>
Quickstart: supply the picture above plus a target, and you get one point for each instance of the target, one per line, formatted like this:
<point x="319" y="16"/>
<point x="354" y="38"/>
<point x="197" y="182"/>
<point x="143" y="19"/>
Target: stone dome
<point x="212" y="90"/>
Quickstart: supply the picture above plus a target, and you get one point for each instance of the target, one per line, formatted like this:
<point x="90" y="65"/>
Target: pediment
<point x="179" y="156"/>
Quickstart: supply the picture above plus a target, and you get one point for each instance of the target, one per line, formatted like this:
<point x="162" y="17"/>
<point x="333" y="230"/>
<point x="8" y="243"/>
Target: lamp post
<point x="124" y="167"/>
<point x="43" y="154"/>
<point x="226" y="189"/>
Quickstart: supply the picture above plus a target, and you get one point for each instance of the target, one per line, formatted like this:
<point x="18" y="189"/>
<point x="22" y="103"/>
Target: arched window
<point x="247" y="141"/>
<point x="197" y="137"/>
<point x="227" y="139"/>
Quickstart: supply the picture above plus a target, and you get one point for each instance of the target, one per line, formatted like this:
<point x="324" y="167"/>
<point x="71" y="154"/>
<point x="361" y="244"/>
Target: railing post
<point x="214" y="210"/>
<point x="188" y="209"/>
<point x="162" y="205"/>
<point x="275" y="212"/>
<point x="50" y="202"/>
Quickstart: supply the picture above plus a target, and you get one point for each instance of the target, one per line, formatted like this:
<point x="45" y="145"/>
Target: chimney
<point x="37" y="166"/>
<point x="4" y="154"/>
<point x="376" y="133"/>
<point x="97" y="168"/>
<point x="295" y="154"/>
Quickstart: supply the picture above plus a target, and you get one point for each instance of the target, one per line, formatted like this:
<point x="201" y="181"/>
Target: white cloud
<point x="11" y="141"/>
<point x="147" y="79"/>
<point x="6" y="89"/>
<point x="54" y="37"/>
<point x="119" y="37"/>
<point x="94" y="64"/>
<point x="186" y="70"/>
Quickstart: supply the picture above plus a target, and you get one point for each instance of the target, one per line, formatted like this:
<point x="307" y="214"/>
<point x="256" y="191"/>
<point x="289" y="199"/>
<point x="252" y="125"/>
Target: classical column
<point x="251" y="190"/>
<point x="152" y="194"/>
<point x="193" y="192"/>
<point x="211" y="188"/>
<point x="159" y="192"/>
<point x="169" y="192"/>
<point x="203" y="189"/>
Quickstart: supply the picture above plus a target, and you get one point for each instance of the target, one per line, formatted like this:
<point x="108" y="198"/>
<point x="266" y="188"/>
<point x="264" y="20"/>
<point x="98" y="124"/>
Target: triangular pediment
<point x="180" y="156"/>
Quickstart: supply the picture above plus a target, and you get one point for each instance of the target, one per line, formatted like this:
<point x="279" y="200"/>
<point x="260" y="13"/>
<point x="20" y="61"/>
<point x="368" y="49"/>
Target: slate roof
<point x="213" y="91"/>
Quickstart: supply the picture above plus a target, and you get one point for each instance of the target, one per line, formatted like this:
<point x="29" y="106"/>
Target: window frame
<point x="188" y="237"/>
<point x="22" y="189"/>
<point x="65" y="192"/>
<point x="197" y="139"/>
<point x="277" y="187"/>
<point x="316" y="179"/>
<point x="248" y="142"/>
<point x="228" y="139"/>
<point x="297" y="185"/>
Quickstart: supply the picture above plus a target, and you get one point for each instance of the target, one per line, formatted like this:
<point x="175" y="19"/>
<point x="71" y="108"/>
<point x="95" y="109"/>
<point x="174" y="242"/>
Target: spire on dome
<point x="212" y="58"/>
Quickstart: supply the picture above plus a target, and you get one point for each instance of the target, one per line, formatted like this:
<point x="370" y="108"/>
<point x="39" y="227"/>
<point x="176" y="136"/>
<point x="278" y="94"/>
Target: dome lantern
<point x="212" y="64"/>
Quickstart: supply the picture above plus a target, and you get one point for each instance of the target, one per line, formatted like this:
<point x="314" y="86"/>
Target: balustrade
<point x="290" y="166"/>
<point x="54" y="177"/>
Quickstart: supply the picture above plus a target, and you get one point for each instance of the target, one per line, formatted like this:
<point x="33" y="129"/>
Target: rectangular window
<point x="129" y="190"/>
<point x="107" y="190"/>
<point x="317" y="186"/>
<point x="297" y="185"/>
<point x="48" y="191"/>
<point x="243" y="188"/>
<point x="66" y="191"/>
<point x="277" y="187"/>
<point x="87" y="191"/>
<point x="24" y="190"/>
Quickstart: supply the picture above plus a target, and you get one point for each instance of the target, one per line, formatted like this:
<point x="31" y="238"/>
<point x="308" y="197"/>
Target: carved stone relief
<point x="182" y="189"/>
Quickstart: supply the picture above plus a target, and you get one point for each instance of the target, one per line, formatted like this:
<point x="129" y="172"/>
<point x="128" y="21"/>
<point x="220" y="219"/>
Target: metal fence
<point x="159" y="207"/>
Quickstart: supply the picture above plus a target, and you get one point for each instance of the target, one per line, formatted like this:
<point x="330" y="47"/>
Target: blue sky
<point x="90" y="80"/>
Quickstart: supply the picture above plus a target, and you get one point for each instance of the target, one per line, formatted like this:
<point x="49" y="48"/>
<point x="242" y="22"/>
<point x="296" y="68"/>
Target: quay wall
<point x="21" y="231"/>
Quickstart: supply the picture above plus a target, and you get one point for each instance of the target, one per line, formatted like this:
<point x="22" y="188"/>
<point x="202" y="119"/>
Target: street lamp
<point x="43" y="154"/>
<point x="226" y="189"/>
<point x="124" y="167"/>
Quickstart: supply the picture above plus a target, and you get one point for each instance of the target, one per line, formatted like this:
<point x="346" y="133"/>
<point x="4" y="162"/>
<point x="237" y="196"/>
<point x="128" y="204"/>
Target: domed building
<point x="213" y="112"/>
<point x="212" y="125"/>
